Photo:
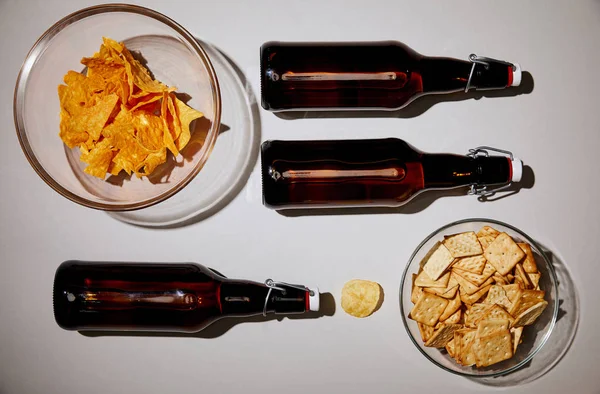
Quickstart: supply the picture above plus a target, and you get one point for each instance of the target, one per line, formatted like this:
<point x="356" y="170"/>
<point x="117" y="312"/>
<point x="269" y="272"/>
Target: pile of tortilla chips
<point x="120" y="118"/>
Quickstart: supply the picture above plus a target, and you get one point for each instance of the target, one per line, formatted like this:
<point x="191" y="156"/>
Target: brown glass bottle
<point x="382" y="75"/>
<point x="163" y="297"/>
<point x="376" y="172"/>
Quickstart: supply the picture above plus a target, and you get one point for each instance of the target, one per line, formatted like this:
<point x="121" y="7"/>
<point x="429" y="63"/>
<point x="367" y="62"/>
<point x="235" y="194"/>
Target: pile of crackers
<point x="473" y="295"/>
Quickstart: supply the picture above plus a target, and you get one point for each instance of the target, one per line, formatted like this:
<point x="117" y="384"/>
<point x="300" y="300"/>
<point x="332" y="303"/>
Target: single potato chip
<point x="360" y="297"/>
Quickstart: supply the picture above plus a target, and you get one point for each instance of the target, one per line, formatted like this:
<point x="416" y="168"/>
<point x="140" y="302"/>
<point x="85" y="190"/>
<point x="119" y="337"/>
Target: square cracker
<point x="485" y="241"/>
<point x="466" y="287"/>
<point x="474" y="264"/>
<point x="516" y="333"/>
<point x="450" y="348"/>
<point x="470" y="299"/>
<point x="455" y="318"/>
<point x="499" y="279"/>
<point x="428" y="309"/>
<point x="498" y="296"/>
<point x="448" y="292"/>
<point x="513" y="292"/>
<point x="438" y="262"/>
<point x="476" y="279"/>
<point x="475" y="314"/>
<point x="442" y="335"/>
<point x="493" y="348"/>
<point x="452" y="307"/>
<point x="529" y="261"/>
<point x="467" y="357"/>
<point x="489" y="327"/>
<point x="496" y="312"/>
<point x="426" y="331"/>
<point x="487" y="231"/>
<point x="535" y="279"/>
<point x="504" y="253"/>
<point x="463" y="244"/>
<point x="423" y="280"/>
<point x="525" y="300"/>
<point x="416" y="290"/>
<point x="520" y="272"/>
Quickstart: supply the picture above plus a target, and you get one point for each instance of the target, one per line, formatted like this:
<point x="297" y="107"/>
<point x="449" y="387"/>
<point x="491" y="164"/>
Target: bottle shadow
<point x="419" y="203"/>
<point x="419" y="106"/>
<point x="561" y="337"/>
<point x="222" y="326"/>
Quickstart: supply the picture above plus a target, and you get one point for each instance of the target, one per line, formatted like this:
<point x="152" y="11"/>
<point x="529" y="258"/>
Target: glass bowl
<point x="175" y="58"/>
<point x="534" y="336"/>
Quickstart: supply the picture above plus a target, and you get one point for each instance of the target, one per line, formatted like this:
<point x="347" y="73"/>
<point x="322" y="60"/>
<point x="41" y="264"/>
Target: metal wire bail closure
<point x="273" y="285"/>
<point x="482" y="190"/>
<point x="485" y="62"/>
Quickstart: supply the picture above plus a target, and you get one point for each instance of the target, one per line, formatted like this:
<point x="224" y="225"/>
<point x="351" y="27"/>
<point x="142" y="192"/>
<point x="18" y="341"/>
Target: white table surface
<point x="555" y="129"/>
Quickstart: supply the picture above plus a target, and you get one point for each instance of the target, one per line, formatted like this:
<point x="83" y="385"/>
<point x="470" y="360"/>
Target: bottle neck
<point x="446" y="75"/>
<point x="241" y="298"/>
<point x="444" y="171"/>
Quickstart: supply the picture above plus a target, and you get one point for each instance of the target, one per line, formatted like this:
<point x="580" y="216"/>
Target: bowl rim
<point x="555" y="291"/>
<point x="38" y="48"/>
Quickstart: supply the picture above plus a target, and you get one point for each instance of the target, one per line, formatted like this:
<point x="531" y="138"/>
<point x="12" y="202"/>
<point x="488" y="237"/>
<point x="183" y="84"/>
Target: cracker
<point x="448" y="292"/>
<point x="520" y="272"/>
<point x="516" y="333"/>
<point x="529" y="261"/>
<point x="496" y="312"/>
<point x="423" y="280"/>
<point x="426" y="331"/>
<point x="504" y="253"/>
<point x="455" y="318"/>
<point x="476" y="279"/>
<point x="428" y="309"/>
<point x="450" y="348"/>
<point x="535" y="279"/>
<point x="438" y="262"/>
<point x="463" y="244"/>
<point x="493" y="348"/>
<point x="529" y="316"/>
<point x="452" y="307"/>
<point x="489" y="327"/>
<point x="487" y="231"/>
<point x="513" y="292"/>
<point x="475" y="314"/>
<point x="526" y="299"/>
<point x="473" y="298"/>
<point x="474" y="264"/>
<point x="497" y="295"/>
<point x="499" y="279"/>
<point x="485" y="241"/>
<point x="416" y="291"/>
<point x="467" y="356"/>
<point x="466" y="287"/>
<point x="442" y="335"/>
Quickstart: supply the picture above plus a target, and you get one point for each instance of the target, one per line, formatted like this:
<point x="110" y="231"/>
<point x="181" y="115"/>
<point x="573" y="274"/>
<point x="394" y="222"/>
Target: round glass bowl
<point x="171" y="54"/>
<point x="534" y="336"/>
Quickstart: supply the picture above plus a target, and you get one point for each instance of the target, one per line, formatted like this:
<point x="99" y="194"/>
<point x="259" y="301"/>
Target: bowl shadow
<point x="560" y="340"/>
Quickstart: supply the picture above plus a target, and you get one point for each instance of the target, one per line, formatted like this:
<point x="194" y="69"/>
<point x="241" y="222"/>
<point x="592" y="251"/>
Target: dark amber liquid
<point x="384" y="172"/>
<point x="158" y="297"/>
<point x="371" y="75"/>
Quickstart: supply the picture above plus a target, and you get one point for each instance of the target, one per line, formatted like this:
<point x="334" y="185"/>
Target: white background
<point x="555" y="129"/>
